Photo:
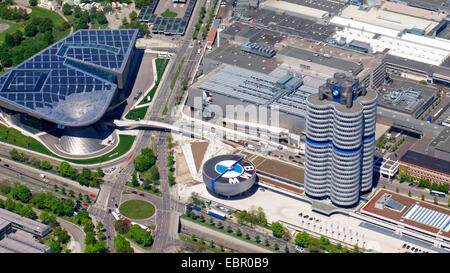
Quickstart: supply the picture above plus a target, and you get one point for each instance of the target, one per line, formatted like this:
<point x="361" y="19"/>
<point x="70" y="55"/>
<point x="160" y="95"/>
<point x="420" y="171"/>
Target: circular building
<point x="228" y="175"/>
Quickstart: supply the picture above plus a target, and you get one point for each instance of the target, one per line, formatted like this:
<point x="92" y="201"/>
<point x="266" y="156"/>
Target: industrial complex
<point x="330" y="118"/>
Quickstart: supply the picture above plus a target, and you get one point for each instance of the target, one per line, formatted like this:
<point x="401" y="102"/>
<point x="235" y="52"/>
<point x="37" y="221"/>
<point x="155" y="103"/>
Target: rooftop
<point x="292" y="25"/>
<point x="333" y="62"/>
<point x="18" y="244"/>
<point x="387" y="19"/>
<point x="71" y="82"/>
<point x="427" y="161"/>
<point x="23" y="221"/>
<point x="442" y="141"/>
<point x="326" y="5"/>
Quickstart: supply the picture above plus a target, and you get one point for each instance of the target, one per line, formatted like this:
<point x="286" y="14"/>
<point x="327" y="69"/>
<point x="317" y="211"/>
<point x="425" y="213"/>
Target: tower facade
<point x="340" y="140"/>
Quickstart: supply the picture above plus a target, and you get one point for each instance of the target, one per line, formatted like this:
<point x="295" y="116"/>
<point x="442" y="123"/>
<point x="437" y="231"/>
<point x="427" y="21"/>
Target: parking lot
<point x="282" y="208"/>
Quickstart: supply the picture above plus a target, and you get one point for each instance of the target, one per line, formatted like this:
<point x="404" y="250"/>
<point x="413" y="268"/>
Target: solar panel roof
<point x="71" y="82"/>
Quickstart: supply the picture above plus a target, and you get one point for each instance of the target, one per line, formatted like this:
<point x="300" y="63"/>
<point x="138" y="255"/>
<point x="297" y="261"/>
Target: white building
<point x="405" y="45"/>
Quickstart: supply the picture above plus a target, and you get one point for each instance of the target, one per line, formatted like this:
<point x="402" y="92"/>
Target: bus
<point x="437" y="193"/>
<point x="115" y="215"/>
<point x="218" y="214"/>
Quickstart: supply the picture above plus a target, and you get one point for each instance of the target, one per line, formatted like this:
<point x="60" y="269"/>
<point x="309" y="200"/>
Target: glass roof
<point x="71" y="82"/>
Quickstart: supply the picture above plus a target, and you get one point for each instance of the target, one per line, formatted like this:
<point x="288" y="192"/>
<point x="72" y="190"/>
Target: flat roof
<point x="428" y="69"/>
<point x="71" y="82"/>
<point x="403" y="216"/>
<point x="233" y="55"/>
<point x="256" y="88"/>
<point x="427" y="161"/>
<point x="387" y="19"/>
<point x="402" y="106"/>
<point x="4" y="223"/>
<point x="412" y="11"/>
<point x="442" y="141"/>
<point x="13" y="246"/>
<point x="23" y="221"/>
<point x="330" y="6"/>
<point x="333" y="62"/>
<point x="291" y="25"/>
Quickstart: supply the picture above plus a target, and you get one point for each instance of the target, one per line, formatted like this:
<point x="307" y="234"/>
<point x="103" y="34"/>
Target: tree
<point x="220" y="225"/>
<point x="48" y="219"/>
<point x="121" y="226"/>
<point x="275" y="246"/>
<point x="257" y="239"/>
<point x="122" y="245"/>
<point x="211" y="244"/>
<point x="140" y="236"/>
<point x="100" y="247"/>
<point x="27" y="211"/>
<point x="101" y="18"/>
<point x="302" y="239"/>
<point x="90" y="238"/>
<point x="55" y="247"/>
<point x="99" y="226"/>
<point x="63" y="236"/>
<point x="100" y="172"/>
<point x="247" y="236"/>
<point x="422" y="197"/>
<point x="211" y="221"/>
<point x="194" y="238"/>
<point x="22" y="193"/>
<point x="435" y="200"/>
<point x="68" y="205"/>
<point x="30" y="30"/>
<point x="238" y="232"/>
<point x="45" y="165"/>
<point x="32" y="3"/>
<point x="77" y="12"/>
<point x="89" y="248"/>
<point x="10" y="204"/>
<point x="63" y="190"/>
<point x="134" y="180"/>
<point x="133" y="15"/>
<point x="5" y="188"/>
<point x="154" y="173"/>
<point x="277" y="229"/>
<point x="101" y="235"/>
<point x="229" y="229"/>
<point x="266" y="242"/>
<point x="66" y="9"/>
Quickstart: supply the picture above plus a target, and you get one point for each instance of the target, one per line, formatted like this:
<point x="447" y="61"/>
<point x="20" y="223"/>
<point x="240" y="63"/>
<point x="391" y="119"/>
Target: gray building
<point x="23" y="223"/>
<point x="15" y="243"/>
<point x="5" y="228"/>
<point x="340" y="138"/>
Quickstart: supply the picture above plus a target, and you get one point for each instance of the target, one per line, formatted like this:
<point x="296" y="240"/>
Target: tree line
<point x="37" y="35"/>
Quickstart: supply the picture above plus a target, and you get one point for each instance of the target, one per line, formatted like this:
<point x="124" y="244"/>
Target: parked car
<point x="141" y="194"/>
<point x="135" y="192"/>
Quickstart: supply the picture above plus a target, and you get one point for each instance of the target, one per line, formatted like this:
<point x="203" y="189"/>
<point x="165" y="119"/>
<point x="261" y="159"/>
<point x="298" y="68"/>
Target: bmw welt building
<point x="340" y="138"/>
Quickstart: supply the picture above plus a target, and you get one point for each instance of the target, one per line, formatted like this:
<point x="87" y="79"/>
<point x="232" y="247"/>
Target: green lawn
<point x="169" y="14"/>
<point x="13" y="27"/>
<point x="14" y="137"/>
<point x="39" y="12"/>
<point x="138" y="113"/>
<point x="137" y="209"/>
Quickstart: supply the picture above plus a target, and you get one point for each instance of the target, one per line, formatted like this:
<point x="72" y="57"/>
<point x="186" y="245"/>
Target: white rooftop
<point x="387" y="19"/>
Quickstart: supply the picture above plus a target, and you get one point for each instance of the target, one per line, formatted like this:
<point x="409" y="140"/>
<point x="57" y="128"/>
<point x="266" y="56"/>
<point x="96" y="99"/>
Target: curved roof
<point x="71" y="82"/>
